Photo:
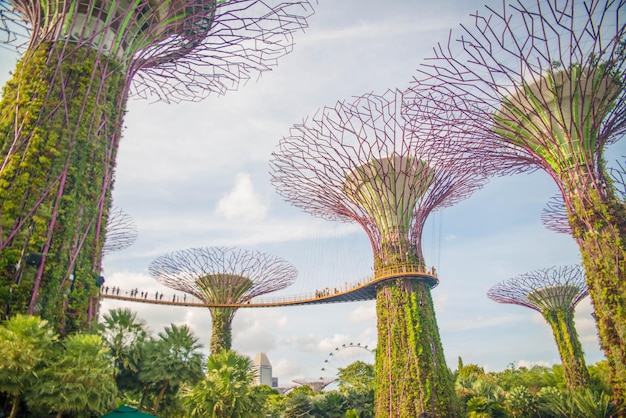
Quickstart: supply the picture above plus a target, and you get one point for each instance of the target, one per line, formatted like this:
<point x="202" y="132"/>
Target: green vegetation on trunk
<point x="570" y="349"/>
<point x="558" y="121"/>
<point x="599" y="226"/>
<point x="221" y="333"/>
<point x="411" y="373"/>
<point x="60" y="123"/>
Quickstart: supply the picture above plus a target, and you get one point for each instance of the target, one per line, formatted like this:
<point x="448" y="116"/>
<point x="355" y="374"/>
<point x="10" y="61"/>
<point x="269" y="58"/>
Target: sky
<point x="197" y="175"/>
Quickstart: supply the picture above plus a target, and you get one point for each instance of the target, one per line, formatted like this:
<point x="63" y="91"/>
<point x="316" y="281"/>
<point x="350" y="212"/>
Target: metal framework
<point x="317" y="384"/>
<point x="363" y="162"/>
<point x="554" y="215"/>
<point x="547" y="289"/>
<point x="541" y="84"/>
<point x="63" y="113"/>
<point x="554" y="292"/>
<point x="222" y="275"/>
<point x="121" y="231"/>
<point x="172" y="50"/>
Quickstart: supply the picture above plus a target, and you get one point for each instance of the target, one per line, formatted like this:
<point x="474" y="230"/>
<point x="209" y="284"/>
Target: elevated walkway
<point x="350" y="292"/>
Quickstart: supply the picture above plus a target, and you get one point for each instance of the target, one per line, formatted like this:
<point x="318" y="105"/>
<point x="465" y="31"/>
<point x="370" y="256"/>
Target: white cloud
<point x="529" y="364"/>
<point x="363" y="313"/>
<point x="256" y="330"/>
<point x="285" y="367"/>
<point x="303" y="343"/>
<point x="329" y="344"/>
<point x="242" y="203"/>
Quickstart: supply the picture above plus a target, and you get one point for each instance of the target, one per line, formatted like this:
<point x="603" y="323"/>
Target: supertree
<point x="222" y="276"/>
<point x="363" y="162"/>
<point x="542" y="86"/>
<point x="553" y="292"/>
<point x="62" y="111"/>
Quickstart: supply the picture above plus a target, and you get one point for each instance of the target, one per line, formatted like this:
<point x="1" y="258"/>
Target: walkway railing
<point x="363" y="289"/>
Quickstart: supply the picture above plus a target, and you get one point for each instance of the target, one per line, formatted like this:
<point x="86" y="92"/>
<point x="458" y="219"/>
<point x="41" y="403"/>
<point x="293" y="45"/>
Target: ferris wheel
<point x="344" y="355"/>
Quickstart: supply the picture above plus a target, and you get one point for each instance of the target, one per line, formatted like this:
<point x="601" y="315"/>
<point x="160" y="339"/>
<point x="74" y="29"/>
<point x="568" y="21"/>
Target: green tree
<point x="358" y="375"/>
<point x="273" y="400"/>
<point x="298" y="405"/>
<point x="123" y="330"/>
<point x="534" y="378"/>
<point x="169" y="361"/>
<point x="125" y="333"/>
<point x="25" y="342"/>
<point x="226" y="391"/>
<point x="361" y="402"/>
<point x="330" y="405"/>
<point x="599" y="377"/>
<point x="481" y="407"/>
<point x="304" y="389"/>
<point x="520" y="402"/>
<point x="78" y="380"/>
<point x="581" y="403"/>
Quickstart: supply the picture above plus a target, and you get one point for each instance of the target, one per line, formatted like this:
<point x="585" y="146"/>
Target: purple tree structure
<point x="553" y="292"/>
<point x="543" y="84"/>
<point x="61" y="117"/>
<point x="316" y="384"/>
<point x="121" y="231"/>
<point x="554" y="216"/>
<point x="222" y="276"/>
<point x="362" y="162"/>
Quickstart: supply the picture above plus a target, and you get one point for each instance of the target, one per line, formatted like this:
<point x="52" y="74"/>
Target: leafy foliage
<point x="79" y="379"/>
<point x="56" y="180"/>
<point x="25" y="344"/>
<point x="410" y="354"/>
<point x="169" y="361"/>
<point x="226" y="389"/>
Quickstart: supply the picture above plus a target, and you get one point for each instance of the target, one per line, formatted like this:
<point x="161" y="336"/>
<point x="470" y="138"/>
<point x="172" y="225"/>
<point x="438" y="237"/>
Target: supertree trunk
<point x="571" y="351"/>
<point x="221" y="332"/>
<point x="411" y="373"/>
<point x="56" y="177"/>
<point x="597" y="221"/>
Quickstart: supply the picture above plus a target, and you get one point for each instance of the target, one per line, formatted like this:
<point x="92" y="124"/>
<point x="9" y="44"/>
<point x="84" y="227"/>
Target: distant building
<point x="274" y="382"/>
<point x="264" y="370"/>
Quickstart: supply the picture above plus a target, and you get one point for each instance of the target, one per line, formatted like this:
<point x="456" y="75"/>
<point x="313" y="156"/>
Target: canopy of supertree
<point x="171" y="49"/>
<point x="222" y="274"/>
<point x="62" y="113"/>
<point x="541" y="84"/>
<point x="362" y="162"/>
<point x="547" y="289"/>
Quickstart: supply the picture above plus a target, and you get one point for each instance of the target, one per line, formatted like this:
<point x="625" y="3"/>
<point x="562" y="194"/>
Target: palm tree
<point x="298" y="406"/>
<point x="170" y="361"/>
<point x="226" y="391"/>
<point x="79" y="379"/>
<point x="123" y="330"/>
<point x="24" y="345"/>
<point x="330" y="405"/>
